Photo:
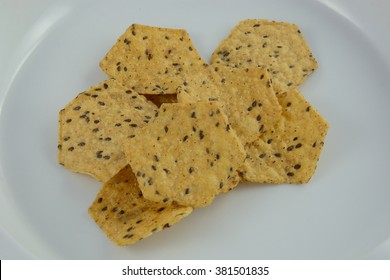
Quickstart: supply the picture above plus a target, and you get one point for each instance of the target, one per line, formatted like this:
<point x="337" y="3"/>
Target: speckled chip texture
<point x="93" y="126"/>
<point x="186" y="154"/>
<point x="278" y="46"/>
<point x="201" y="86"/>
<point x="290" y="152"/>
<point x="152" y="60"/>
<point x="247" y="97"/>
<point x="126" y="216"/>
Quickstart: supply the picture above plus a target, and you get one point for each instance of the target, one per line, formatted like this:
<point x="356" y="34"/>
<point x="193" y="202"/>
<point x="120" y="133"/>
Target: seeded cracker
<point x="289" y="153"/>
<point x="278" y="46"/>
<point x="246" y="95"/>
<point x="93" y="126"/>
<point x="186" y="155"/>
<point x="125" y="216"/>
<point x="152" y="60"/>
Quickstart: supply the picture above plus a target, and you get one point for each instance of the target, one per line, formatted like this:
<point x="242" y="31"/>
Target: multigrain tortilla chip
<point x="93" y="126"/>
<point x="290" y="152"/>
<point x="126" y="216"/>
<point x="186" y="154"/>
<point x="246" y="95"/>
<point x="152" y="60"/>
<point x="278" y="46"/>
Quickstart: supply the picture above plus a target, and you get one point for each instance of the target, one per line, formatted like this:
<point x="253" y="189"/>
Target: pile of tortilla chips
<point x="167" y="132"/>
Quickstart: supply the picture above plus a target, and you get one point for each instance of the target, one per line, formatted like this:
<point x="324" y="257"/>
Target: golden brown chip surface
<point x="186" y="154"/>
<point x="152" y="60"/>
<point x="289" y="153"/>
<point x="94" y="124"/>
<point x="278" y="46"/>
<point x="245" y="95"/>
<point x="126" y="216"/>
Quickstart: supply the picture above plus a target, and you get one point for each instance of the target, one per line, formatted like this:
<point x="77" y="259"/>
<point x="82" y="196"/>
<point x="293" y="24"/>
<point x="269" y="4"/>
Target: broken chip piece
<point x="186" y="154"/>
<point x="278" y="46"/>
<point x="94" y="124"/>
<point x="126" y="216"/>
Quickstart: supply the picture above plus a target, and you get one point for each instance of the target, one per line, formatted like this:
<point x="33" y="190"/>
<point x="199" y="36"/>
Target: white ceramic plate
<point x="49" y="52"/>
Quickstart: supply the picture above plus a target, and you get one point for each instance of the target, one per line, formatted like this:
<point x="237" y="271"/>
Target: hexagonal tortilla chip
<point x="278" y="46"/>
<point x="289" y="153"/>
<point x="186" y="154"/>
<point x="126" y="216"/>
<point x="93" y="126"/>
<point x="246" y="96"/>
<point x="152" y="60"/>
